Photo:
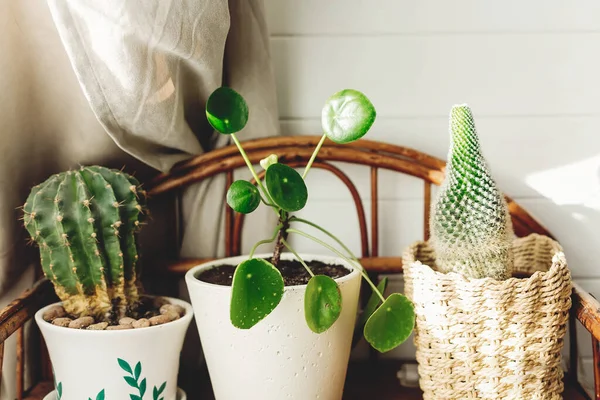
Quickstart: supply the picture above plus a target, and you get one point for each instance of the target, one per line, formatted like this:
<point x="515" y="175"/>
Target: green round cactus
<point x="85" y="223"/>
<point x="471" y="229"/>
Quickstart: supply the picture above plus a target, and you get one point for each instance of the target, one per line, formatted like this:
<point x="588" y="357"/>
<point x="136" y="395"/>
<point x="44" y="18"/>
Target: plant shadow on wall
<point x="258" y="285"/>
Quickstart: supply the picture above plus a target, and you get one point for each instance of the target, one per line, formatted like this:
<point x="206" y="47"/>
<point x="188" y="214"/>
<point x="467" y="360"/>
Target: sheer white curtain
<point x="120" y="83"/>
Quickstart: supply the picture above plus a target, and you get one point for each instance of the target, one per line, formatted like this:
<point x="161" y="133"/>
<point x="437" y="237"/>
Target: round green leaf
<point x="243" y="197"/>
<point x="391" y="324"/>
<point x="286" y="186"/>
<point x="322" y="303"/>
<point x="347" y="116"/>
<point x="227" y="110"/>
<point x="256" y="290"/>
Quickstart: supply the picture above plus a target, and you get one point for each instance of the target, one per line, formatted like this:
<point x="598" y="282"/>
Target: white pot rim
<point x="190" y="276"/>
<point x="189" y="313"/>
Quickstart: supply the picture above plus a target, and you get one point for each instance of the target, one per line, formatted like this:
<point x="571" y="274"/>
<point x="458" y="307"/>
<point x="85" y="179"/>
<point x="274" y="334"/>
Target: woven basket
<point x="488" y="339"/>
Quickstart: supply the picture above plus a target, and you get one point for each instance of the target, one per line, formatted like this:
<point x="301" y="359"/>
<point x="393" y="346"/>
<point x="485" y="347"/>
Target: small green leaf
<point x="322" y="303"/>
<point x="256" y="290"/>
<point x="143" y="387"/>
<point x="137" y="370"/>
<point x="100" y="395"/>
<point x="243" y="197"/>
<point x="124" y="366"/>
<point x="391" y="324"/>
<point x="227" y="110"/>
<point x="59" y="389"/>
<point x="347" y="116"/>
<point x="131" y="381"/>
<point x="286" y="186"/>
<point x="134" y="397"/>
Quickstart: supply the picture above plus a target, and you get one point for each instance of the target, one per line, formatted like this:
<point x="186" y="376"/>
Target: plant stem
<point x="331" y="235"/>
<point x="340" y="254"/>
<point x="281" y="236"/>
<point x="314" y="155"/>
<point x="286" y="244"/>
<point x="265" y="241"/>
<point x="251" y="168"/>
<point x="352" y="255"/>
<point x="266" y="202"/>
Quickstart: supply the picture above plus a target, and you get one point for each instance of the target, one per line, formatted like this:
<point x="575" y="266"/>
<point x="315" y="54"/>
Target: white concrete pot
<point x="86" y="362"/>
<point x="280" y="357"/>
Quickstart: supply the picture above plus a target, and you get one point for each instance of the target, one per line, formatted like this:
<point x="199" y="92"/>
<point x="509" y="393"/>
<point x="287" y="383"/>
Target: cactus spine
<point x="471" y="229"/>
<point x="85" y="224"/>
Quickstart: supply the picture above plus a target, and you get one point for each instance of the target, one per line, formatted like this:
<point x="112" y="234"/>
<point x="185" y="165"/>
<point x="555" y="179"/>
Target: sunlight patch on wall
<point x="577" y="183"/>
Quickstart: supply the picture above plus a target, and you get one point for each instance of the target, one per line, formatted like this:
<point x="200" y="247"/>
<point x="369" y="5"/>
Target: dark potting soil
<point x="292" y="271"/>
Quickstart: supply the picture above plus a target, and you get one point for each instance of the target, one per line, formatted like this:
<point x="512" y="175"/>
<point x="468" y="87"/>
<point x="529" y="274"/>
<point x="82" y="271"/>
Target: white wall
<point x="529" y="70"/>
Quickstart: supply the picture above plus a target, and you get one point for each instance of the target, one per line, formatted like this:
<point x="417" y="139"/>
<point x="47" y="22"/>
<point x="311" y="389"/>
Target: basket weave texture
<point x="489" y="339"/>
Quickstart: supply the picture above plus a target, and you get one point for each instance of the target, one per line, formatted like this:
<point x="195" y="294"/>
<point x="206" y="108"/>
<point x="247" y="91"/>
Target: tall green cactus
<point x="471" y="229"/>
<point x="85" y="224"/>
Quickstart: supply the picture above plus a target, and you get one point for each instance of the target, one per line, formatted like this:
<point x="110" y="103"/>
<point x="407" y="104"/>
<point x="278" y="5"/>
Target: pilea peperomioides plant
<point x="471" y="229"/>
<point x="258" y="285"/>
<point x="85" y="223"/>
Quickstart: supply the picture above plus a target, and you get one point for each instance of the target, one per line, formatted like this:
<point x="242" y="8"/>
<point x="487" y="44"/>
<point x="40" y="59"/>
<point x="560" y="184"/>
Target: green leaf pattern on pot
<point x="286" y="186"/>
<point x="59" y="391"/>
<point x="322" y="303"/>
<point x="256" y="290"/>
<point x="391" y="324"/>
<point x="133" y="380"/>
<point x="99" y="396"/>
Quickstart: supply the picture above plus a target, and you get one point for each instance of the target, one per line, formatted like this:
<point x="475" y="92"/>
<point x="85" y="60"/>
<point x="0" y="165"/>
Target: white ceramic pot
<point x="279" y="358"/>
<point x="86" y="362"/>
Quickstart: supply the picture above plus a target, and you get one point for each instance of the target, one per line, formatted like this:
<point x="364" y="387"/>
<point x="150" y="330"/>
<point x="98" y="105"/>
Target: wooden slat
<point x="20" y="362"/>
<point x="39" y="391"/>
<point x="374" y="212"/>
<point x="280" y="142"/>
<point x="342" y="154"/>
<point x="587" y="309"/>
<point x="573" y="354"/>
<point x="1" y="363"/>
<point x="596" y="349"/>
<point x="426" y="209"/>
<point x="13" y="316"/>
<point x="524" y="221"/>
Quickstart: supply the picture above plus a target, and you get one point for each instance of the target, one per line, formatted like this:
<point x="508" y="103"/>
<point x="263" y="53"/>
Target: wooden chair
<point x="373" y="378"/>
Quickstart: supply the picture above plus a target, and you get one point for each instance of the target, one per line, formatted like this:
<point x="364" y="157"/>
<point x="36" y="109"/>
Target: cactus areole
<point x="471" y="229"/>
<point x="85" y="224"/>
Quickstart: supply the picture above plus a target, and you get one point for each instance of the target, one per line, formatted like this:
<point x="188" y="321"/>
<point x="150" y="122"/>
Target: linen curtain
<point x="121" y="84"/>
